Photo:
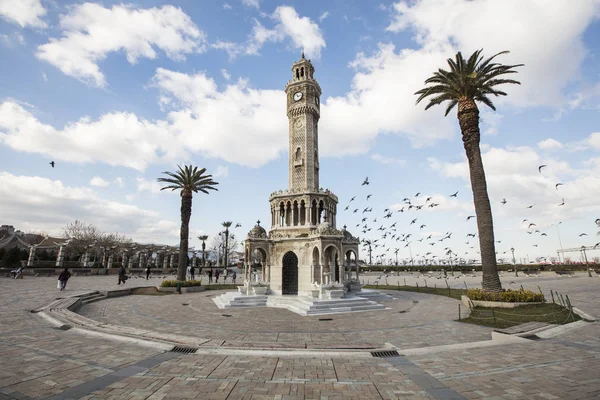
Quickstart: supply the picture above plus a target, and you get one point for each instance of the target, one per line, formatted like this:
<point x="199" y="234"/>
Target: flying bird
<point x="540" y="167"/>
<point x="455" y="194"/>
<point x="369" y="196"/>
<point x="355" y="210"/>
<point x="422" y="226"/>
<point x="583" y="234"/>
<point x="503" y="201"/>
<point x="531" y="206"/>
<point x="557" y="185"/>
<point x="346" y="208"/>
<point x="52" y="163"/>
<point x="413" y="221"/>
<point x="352" y="199"/>
<point x="530" y="225"/>
<point x="238" y="225"/>
<point x="563" y="202"/>
<point x="418" y="194"/>
<point x="366" y="181"/>
<point x="470" y="216"/>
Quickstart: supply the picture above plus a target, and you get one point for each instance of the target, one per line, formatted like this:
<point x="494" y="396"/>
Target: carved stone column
<point x="31" y="257"/>
<point x="60" y="257"/>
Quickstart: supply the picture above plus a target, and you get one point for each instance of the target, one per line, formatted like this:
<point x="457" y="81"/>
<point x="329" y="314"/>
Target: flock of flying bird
<point x="383" y="236"/>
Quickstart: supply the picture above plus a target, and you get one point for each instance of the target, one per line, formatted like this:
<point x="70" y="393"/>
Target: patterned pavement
<point x="38" y="361"/>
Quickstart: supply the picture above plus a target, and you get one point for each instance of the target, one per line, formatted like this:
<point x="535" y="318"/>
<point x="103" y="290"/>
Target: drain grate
<point x="385" y="353"/>
<point x="325" y="319"/>
<point x="185" y="350"/>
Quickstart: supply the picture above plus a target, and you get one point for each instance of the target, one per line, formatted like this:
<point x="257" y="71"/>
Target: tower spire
<point x="303" y="54"/>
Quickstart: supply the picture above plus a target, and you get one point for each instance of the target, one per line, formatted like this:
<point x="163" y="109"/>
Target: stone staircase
<point x="307" y="306"/>
<point x="91" y="297"/>
<point x="235" y="300"/>
<point x="373" y="295"/>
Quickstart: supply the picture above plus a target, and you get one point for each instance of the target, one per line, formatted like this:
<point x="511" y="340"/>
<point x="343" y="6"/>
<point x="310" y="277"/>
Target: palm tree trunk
<point x="186" y="213"/>
<point x="468" y="118"/>
<point x="226" y="244"/>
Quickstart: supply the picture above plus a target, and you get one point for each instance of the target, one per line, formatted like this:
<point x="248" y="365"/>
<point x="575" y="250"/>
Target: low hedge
<point x="510" y="296"/>
<point x="173" y="283"/>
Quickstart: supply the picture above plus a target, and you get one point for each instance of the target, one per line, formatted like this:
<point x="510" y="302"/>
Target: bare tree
<point x="83" y="236"/>
<point x="218" y="245"/>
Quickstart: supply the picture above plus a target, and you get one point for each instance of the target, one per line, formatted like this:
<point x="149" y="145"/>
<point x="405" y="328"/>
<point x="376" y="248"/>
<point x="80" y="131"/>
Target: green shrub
<point x="173" y="283"/>
<point x="511" y="296"/>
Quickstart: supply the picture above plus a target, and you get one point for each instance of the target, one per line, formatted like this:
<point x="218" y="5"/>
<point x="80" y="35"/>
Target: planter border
<point x="189" y="289"/>
<point x="497" y="304"/>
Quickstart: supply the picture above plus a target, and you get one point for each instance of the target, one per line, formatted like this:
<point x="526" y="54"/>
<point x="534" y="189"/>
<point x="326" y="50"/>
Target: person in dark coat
<point x="63" y="278"/>
<point x="210" y="275"/>
<point x="122" y="275"/>
<point x="217" y="273"/>
<point x="193" y="272"/>
<point x="147" y="272"/>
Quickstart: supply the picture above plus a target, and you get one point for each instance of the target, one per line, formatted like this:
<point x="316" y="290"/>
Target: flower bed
<point x="509" y="296"/>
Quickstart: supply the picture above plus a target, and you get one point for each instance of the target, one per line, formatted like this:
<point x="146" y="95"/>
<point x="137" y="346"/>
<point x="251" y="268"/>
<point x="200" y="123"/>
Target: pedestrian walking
<point x="233" y="276"/>
<point x="217" y="273"/>
<point x="63" y="278"/>
<point x="193" y="272"/>
<point x="210" y="275"/>
<point x="147" y="272"/>
<point x="122" y="275"/>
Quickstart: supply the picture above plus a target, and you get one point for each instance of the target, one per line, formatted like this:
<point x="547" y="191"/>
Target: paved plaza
<point x="266" y="353"/>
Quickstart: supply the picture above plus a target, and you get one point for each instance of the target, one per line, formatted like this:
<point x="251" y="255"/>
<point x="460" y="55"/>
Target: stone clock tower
<point x="304" y="250"/>
<point x="303" y="96"/>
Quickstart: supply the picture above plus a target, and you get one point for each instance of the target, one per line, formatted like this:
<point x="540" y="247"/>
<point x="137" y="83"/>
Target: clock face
<point x="297" y="96"/>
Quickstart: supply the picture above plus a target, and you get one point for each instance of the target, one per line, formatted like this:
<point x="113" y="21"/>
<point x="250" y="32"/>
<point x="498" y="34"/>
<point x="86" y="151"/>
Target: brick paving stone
<point x="39" y="361"/>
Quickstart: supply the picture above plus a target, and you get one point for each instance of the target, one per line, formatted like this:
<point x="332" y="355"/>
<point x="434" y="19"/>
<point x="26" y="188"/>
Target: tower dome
<point x="258" y="231"/>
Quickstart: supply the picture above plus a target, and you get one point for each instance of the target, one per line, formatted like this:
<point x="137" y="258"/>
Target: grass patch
<point x="440" y="291"/>
<point x="149" y="291"/>
<point x="506" y="317"/>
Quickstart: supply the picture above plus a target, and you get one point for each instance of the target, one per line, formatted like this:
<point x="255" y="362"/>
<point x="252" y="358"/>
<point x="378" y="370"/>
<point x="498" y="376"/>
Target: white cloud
<point x="144" y="185"/>
<point x="115" y="138"/>
<point x="223" y="115"/>
<point x="251" y="3"/>
<point x="48" y="205"/>
<point x="222" y="171"/>
<point x="225" y="74"/>
<point x="323" y="16"/>
<point x="550" y="144"/>
<point x="23" y="12"/>
<point x="387" y="160"/>
<point x="119" y="182"/>
<point x="226" y="6"/>
<point x="301" y="33"/>
<point x="91" y="32"/>
<point x="512" y="173"/>
<point x="14" y="40"/>
<point x="473" y="25"/>
<point x="97" y="181"/>
<point x="594" y="140"/>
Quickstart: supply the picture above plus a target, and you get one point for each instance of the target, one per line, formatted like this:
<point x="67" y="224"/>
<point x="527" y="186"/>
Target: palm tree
<point x="203" y="238"/>
<point x="226" y="225"/>
<point x="469" y="81"/>
<point x="189" y="180"/>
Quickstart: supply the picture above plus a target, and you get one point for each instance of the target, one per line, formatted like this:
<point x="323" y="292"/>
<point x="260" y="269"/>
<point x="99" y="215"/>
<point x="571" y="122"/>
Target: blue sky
<point x="115" y="93"/>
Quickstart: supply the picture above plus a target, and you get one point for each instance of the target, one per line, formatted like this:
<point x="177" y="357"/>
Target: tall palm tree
<point x="469" y="81"/>
<point x="203" y="238"/>
<point x="189" y="180"/>
<point x="226" y="225"/>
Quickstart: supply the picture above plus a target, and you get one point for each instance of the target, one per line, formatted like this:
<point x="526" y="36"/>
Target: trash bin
<point x="179" y="284"/>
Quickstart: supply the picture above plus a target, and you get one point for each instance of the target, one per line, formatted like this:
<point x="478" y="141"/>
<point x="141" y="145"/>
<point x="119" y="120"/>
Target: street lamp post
<point x="559" y="241"/>
<point x="512" y="250"/>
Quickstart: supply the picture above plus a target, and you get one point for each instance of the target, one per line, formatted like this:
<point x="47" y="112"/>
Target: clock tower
<point x="303" y="112"/>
